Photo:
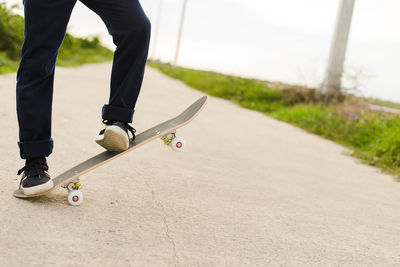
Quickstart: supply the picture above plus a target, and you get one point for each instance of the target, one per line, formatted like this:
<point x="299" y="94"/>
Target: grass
<point x="7" y="65"/>
<point x="373" y="137"/>
<point x="78" y="51"/>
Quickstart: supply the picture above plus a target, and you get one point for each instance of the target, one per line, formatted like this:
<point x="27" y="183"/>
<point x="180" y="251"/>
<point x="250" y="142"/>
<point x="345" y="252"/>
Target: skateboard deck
<point x="102" y="158"/>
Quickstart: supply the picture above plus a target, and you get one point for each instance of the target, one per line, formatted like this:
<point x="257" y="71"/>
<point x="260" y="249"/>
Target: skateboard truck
<point x="175" y="143"/>
<point x="75" y="196"/>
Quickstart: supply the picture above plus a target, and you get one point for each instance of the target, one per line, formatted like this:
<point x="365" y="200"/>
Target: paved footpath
<point x="248" y="191"/>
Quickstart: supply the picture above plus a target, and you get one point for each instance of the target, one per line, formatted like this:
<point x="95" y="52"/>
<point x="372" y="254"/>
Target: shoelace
<point x="127" y="126"/>
<point x="132" y="130"/>
<point x="34" y="168"/>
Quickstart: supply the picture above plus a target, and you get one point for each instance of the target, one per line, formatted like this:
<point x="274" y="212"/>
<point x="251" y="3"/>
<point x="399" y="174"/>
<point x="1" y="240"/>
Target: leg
<point x="45" y="26"/>
<point x="130" y="29"/>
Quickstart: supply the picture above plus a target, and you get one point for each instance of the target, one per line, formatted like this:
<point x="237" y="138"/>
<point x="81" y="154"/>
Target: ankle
<point x="30" y="160"/>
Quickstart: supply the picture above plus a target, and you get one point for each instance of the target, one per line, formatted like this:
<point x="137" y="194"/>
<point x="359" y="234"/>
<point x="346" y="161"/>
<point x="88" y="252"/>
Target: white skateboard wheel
<point x="178" y="144"/>
<point x="75" y="197"/>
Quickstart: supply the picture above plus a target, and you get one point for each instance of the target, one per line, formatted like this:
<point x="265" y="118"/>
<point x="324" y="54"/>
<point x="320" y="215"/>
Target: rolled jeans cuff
<point x="33" y="149"/>
<point x="114" y="113"/>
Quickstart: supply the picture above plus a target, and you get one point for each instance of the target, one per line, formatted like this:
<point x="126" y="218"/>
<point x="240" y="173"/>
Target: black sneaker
<point x="115" y="136"/>
<point x="35" y="179"/>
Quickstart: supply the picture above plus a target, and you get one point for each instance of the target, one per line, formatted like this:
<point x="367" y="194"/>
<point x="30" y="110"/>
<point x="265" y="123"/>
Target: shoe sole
<point x="114" y="139"/>
<point x="38" y="188"/>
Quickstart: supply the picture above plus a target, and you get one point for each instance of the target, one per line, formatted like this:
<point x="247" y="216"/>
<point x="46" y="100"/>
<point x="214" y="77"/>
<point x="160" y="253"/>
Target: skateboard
<point x="166" y="131"/>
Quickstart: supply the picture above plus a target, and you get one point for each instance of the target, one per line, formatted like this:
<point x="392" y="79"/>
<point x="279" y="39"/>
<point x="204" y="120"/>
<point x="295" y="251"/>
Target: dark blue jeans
<point x="45" y="26"/>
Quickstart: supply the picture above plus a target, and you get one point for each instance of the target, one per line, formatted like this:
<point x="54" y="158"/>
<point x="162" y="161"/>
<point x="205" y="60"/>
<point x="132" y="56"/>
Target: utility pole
<point x="333" y="76"/>
<point x="180" y="32"/>
<point x="155" y="39"/>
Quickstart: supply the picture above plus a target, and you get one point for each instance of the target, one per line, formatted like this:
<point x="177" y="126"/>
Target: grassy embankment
<point x="373" y="137"/>
<point x="73" y="52"/>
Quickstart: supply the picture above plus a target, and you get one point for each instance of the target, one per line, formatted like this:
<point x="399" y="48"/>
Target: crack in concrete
<point x="171" y="240"/>
<point x="167" y="233"/>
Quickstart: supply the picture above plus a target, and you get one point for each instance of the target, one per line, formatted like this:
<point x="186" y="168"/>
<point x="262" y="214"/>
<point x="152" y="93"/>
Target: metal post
<point x="155" y="38"/>
<point x="180" y="32"/>
<point x="334" y="71"/>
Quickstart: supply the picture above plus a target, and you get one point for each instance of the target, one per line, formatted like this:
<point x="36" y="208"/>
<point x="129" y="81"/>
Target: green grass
<point x="7" y="65"/>
<point x="78" y="51"/>
<point x="73" y="51"/>
<point x="374" y="137"/>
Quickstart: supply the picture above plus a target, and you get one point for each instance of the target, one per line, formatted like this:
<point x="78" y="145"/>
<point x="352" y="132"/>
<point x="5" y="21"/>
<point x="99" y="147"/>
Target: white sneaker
<point x="115" y="137"/>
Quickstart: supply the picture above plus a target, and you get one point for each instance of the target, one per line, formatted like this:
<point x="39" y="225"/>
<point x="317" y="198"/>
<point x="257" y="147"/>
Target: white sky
<point x="285" y="40"/>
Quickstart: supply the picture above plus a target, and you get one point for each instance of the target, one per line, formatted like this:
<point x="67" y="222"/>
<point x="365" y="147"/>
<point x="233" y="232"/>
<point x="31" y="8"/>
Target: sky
<point x="286" y="40"/>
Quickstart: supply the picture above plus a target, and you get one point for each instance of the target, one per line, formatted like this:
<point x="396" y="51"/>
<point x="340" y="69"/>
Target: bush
<point x="11" y="32"/>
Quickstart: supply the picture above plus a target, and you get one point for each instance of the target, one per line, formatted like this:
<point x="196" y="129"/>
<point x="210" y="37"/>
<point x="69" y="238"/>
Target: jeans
<point x="45" y="27"/>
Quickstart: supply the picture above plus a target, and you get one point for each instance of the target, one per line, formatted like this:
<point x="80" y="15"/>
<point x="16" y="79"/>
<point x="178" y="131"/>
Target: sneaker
<point x="115" y="136"/>
<point x="35" y="179"/>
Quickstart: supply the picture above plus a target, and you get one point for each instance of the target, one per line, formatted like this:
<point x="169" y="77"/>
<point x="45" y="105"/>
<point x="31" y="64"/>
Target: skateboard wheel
<point x="75" y="197"/>
<point x="178" y="144"/>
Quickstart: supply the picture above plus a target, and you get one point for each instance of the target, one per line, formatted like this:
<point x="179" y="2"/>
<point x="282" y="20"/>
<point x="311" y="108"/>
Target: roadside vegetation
<point x="384" y="103"/>
<point x="373" y="137"/>
<point x="73" y="52"/>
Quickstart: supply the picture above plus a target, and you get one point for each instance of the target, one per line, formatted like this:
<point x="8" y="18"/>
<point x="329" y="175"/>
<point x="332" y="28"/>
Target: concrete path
<point x="248" y="191"/>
